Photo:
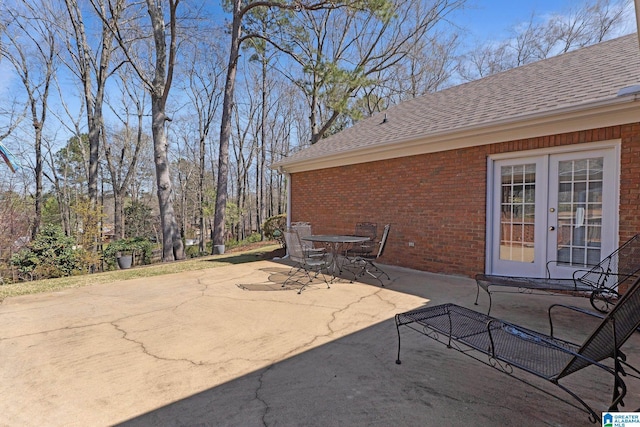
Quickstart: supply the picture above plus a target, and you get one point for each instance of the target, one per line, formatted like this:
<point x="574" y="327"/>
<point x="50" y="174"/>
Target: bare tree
<point x="32" y="50"/>
<point x="12" y="118"/>
<point x="287" y="126"/>
<point x="590" y="23"/>
<point x="186" y="177"/>
<point x="58" y="178"/>
<point x="68" y="168"/>
<point x="203" y="87"/>
<point x="158" y="82"/>
<point x="428" y="67"/>
<point x="342" y="53"/>
<point x="264" y="56"/>
<point x="93" y="68"/>
<point x="239" y="10"/>
<point x="246" y="139"/>
<point x="122" y="148"/>
<point x="484" y="60"/>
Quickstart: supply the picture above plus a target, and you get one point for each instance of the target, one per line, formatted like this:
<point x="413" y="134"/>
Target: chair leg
<point x="294" y="270"/>
<point x="324" y="277"/>
<point x="383" y="273"/>
<point x="306" y="283"/>
<point x="293" y="273"/>
<point x="378" y="272"/>
<point x="309" y="277"/>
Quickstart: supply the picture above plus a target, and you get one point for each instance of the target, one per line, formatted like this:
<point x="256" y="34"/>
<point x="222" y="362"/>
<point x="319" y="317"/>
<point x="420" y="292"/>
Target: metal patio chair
<point x="364" y="229"/>
<point x="304" y="229"/>
<point x="601" y="281"/>
<point x="505" y="346"/>
<point x="304" y="262"/>
<point x="365" y="262"/>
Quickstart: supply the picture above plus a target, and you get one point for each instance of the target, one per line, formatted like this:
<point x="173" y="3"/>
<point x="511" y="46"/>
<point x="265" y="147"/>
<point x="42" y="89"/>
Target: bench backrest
<point x="622" y="265"/>
<point x="614" y="330"/>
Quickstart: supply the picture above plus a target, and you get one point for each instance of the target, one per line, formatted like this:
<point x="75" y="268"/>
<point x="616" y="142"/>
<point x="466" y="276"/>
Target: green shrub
<point x="50" y="254"/>
<point x="231" y="243"/>
<point x="254" y="238"/>
<point x="234" y="243"/>
<point x="193" y="251"/>
<point x="273" y="227"/>
<point x="140" y="247"/>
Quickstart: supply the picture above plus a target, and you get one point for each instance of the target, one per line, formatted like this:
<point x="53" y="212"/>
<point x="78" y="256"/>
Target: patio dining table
<point x="336" y="244"/>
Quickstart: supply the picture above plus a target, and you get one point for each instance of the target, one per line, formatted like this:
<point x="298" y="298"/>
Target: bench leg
<point x="398" y="362"/>
<point x="478" y="294"/>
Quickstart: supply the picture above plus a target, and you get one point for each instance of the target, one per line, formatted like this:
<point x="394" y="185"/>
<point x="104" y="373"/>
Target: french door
<point x="553" y="213"/>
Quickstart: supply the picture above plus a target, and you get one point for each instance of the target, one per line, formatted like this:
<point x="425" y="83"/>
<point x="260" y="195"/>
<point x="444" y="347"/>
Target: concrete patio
<point x="228" y="346"/>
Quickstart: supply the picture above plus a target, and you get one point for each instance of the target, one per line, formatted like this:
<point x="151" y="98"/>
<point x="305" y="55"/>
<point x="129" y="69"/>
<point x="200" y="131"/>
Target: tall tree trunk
<point x="118" y="218"/>
<point x="38" y="172"/>
<point x="262" y="159"/>
<point x="201" y="245"/>
<point x="86" y="69"/>
<point x="225" y="129"/>
<point x="172" y="246"/>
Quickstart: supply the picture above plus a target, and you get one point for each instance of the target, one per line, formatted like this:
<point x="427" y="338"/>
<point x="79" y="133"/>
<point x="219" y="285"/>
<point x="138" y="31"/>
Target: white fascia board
<point x="617" y="111"/>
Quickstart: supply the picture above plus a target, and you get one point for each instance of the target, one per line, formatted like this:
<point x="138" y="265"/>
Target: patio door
<point x="553" y="211"/>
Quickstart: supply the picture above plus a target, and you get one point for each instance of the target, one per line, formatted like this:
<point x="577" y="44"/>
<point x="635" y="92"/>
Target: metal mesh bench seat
<point x="518" y="346"/>
<point x="512" y="349"/>
<point x="600" y="282"/>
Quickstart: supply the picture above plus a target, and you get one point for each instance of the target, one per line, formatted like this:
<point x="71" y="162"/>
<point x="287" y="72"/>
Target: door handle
<point x="552" y="228"/>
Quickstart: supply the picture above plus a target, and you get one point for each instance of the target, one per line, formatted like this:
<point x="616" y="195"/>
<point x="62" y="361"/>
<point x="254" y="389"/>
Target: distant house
<point x="499" y="175"/>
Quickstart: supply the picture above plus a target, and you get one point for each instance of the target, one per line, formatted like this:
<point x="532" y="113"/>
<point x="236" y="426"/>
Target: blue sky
<point x="492" y="19"/>
<point x="485" y="21"/>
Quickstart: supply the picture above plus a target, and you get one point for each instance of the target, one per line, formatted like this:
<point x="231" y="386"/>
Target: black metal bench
<point x="600" y="282"/>
<point x="505" y="346"/>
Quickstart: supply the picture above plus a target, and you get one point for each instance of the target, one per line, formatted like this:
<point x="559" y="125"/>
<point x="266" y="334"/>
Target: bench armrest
<point x="574" y="273"/>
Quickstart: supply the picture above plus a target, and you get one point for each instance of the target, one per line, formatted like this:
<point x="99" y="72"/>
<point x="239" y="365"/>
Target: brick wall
<point x="438" y="200"/>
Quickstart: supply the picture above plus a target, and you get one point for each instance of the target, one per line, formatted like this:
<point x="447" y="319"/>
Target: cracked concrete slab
<point x="106" y="353"/>
<point x="195" y="348"/>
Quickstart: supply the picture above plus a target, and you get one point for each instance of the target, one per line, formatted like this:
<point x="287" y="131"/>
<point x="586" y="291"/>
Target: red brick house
<point x="499" y="175"/>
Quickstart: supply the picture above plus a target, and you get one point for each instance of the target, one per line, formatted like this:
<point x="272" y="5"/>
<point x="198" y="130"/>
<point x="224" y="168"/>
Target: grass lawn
<point x="236" y="256"/>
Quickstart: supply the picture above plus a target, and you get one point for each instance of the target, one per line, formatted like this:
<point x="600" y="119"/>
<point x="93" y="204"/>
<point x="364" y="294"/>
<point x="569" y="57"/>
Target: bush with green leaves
<point x="273" y="227"/>
<point x="50" y="254"/>
<point x="139" y="220"/>
<point x="193" y="251"/>
<point x="142" y="248"/>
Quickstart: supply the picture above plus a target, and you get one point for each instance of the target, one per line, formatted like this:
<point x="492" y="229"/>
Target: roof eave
<point x="591" y="115"/>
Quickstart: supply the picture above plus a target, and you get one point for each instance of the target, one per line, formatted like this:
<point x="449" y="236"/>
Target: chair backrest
<point x="294" y="246"/>
<point x="302" y="228"/>
<point x="370" y="230"/>
<point x="614" y="330"/>
<point x="622" y="265"/>
<point x="383" y="240"/>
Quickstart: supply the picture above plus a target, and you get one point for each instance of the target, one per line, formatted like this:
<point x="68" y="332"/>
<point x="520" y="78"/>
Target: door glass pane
<point x="517" y="218"/>
<point x="580" y="211"/>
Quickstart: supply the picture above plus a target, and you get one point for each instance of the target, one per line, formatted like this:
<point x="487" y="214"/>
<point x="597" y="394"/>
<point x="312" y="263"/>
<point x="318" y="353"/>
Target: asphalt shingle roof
<point x="583" y="76"/>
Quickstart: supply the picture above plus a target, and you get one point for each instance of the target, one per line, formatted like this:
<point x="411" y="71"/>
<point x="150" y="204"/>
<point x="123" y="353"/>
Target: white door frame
<point x="574" y="148"/>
